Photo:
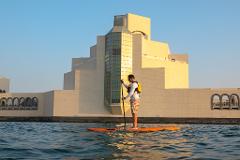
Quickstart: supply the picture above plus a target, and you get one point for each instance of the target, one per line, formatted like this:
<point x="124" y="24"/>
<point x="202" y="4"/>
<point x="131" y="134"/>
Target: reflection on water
<point x="73" y="141"/>
<point x="150" y="145"/>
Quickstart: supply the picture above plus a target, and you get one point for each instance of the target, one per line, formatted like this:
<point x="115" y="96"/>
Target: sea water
<point x="28" y="140"/>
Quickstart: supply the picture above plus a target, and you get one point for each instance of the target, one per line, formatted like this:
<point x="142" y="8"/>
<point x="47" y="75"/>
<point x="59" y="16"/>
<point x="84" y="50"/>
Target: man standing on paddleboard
<point x="134" y="90"/>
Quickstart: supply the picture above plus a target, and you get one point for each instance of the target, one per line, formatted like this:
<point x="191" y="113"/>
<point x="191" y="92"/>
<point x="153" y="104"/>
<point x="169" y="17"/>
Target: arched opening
<point x="28" y="102"/>
<point x="3" y="102"/>
<point x="16" y="102"/>
<point x="225" y="101"/>
<point x="35" y="102"/>
<point x="234" y="101"/>
<point x="9" y="102"/>
<point x="216" y="101"/>
<point x="141" y="32"/>
<point x="22" y="102"/>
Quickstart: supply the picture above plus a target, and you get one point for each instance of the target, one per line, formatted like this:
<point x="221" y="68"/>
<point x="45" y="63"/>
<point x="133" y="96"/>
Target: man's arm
<point x="125" y="85"/>
<point x="132" y="90"/>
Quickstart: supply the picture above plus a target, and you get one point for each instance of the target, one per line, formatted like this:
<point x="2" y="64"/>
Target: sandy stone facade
<point x="93" y="88"/>
<point x="4" y="84"/>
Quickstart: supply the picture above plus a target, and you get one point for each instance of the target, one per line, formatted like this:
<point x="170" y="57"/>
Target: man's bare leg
<point x="135" y="120"/>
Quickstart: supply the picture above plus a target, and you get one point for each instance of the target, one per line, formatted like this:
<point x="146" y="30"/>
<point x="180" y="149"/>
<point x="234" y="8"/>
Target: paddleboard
<point x="151" y="129"/>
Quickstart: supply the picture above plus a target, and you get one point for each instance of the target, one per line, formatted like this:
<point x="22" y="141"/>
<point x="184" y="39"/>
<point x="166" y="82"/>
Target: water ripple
<point x="73" y="141"/>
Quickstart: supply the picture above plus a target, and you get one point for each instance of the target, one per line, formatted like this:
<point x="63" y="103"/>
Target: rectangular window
<point x="116" y="51"/>
<point x="120" y="20"/>
<point x="115" y="96"/>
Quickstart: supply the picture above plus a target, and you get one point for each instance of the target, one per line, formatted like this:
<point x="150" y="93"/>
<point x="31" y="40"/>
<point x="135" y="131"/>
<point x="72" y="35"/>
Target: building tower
<point x="126" y="49"/>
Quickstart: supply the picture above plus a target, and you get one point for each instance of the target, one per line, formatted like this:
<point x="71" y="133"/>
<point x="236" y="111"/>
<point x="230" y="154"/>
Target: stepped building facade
<point x="92" y="87"/>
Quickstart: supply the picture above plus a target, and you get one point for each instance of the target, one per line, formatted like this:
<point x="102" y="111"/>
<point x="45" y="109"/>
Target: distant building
<point x="127" y="48"/>
<point x="92" y="87"/>
<point x="4" y="84"/>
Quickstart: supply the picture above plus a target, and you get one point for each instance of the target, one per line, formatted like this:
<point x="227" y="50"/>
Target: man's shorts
<point x="134" y="105"/>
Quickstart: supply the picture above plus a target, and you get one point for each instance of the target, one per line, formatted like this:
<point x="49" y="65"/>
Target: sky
<point x="39" y="38"/>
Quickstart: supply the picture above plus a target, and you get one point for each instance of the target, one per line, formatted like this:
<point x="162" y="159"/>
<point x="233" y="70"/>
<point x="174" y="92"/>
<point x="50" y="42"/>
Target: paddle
<point x="123" y="109"/>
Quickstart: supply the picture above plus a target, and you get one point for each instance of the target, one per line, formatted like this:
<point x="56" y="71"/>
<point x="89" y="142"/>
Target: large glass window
<point x="112" y="68"/>
<point x="118" y="64"/>
<point x="120" y="20"/>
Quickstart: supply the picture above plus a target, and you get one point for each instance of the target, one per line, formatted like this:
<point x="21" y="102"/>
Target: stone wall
<point x="21" y="104"/>
<point x="185" y="103"/>
<point x="4" y="84"/>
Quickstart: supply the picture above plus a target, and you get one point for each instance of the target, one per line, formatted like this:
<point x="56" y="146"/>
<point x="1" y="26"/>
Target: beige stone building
<point x="92" y="88"/>
<point x="4" y="84"/>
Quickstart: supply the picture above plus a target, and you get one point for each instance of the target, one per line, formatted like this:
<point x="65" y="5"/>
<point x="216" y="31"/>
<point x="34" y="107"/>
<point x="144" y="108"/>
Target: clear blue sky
<point x="38" y="38"/>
